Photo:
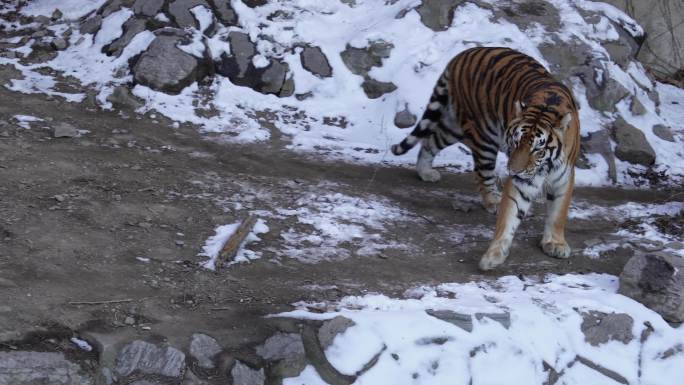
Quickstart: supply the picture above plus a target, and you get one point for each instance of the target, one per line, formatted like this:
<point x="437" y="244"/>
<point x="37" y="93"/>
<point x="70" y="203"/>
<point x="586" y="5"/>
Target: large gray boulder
<point x="663" y="22"/>
<point x="657" y="281"/>
<point x="286" y="351"/>
<point x="203" y="349"/>
<point x="34" y="368"/>
<point x="632" y="145"/>
<point x="165" y="67"/>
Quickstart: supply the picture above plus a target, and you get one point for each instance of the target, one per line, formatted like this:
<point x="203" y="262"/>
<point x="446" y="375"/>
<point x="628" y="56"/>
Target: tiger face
<point x="533" y="143"/>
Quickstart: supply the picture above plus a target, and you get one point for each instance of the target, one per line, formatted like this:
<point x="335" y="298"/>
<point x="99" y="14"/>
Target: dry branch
<point x="231" y="247"/>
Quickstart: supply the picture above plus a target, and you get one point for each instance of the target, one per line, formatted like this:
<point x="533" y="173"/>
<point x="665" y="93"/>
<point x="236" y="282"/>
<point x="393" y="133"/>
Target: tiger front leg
<point x="559" y="188"/>
<point x="516" y="200"/>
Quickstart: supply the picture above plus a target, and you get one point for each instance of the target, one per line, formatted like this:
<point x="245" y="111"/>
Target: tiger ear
<point x="565" y="121"/>
<point x="519" y="107"/>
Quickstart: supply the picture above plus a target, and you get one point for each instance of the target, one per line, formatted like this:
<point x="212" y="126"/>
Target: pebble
<point x="129" y="321"/>
<point x="180" y="242"/>
<point x="60" y="198"/>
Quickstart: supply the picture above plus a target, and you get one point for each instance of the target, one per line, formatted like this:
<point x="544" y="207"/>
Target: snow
<point x="545" y="328"/>
<point x="83" y="345"/>
<point x="70" y="9"/>
<point x="213" y="245"/>
<point x="24" y="121"/>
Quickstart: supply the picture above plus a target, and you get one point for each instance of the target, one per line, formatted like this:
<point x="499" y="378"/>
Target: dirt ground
<point x="76" y="212"/>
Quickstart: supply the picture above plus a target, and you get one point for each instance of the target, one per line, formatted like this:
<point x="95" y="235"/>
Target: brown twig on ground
<point x="231" y="247"/>
<point x="100" y="302"/>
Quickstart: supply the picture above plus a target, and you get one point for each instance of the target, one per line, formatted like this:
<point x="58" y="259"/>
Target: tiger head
<point x="533" y="141"/>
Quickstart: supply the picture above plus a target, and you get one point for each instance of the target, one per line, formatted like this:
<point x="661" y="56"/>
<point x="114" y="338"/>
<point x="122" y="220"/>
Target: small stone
<point x="203" y="349"/>
<point x="636" y="107"/>
<point x="287" y="349"/>
<point x="64" y="130"/>
<point x="663" y="132"/>
<point x="404" y="118"/>
<point x="375" y="88"/>
<point x="244" y="375"/>
<point x="123" y="99"/>
<point x="150" y="359"/>
<point x="4" y="134"/>
<point x="600" y="328"/>
<point x="60" y="198"/>
<point x="57" y="14"/>
<point x="91" y="25"/>
<point x="331" y="329"/>
<point x="129" y="320"/>
<point x="59" y="44"/>
<point x="314" y="61"/>
<point x="180" y="242"/>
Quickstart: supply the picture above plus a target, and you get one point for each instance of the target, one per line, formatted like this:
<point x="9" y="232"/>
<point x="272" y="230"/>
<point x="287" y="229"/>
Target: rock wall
<point x="662" y="49"/>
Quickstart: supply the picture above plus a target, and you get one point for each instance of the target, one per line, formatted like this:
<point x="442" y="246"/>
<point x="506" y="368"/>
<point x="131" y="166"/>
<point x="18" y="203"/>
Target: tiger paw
<point x="493" y="258"/>
<point x="490" y="202"/>
<point x="430" y="175"/>
<point x="556" y="249"/>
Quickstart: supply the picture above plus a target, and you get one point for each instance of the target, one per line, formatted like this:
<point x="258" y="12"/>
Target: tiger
<point x="496" y="98"/>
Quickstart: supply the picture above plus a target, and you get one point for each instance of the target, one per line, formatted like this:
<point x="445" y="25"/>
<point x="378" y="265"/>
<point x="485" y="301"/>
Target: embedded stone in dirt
<point x="287" y="349"/>
<point x="29" y="368"/>
<point x="64" y="130"/>
<point x="244" y="375"/>
<point x="150" y="359"/>
<point x="123" y="99"/>
<point x="331" y="328"/>
<point x="203" y="349"/>
<point x="657" y="281"/>
<point x="600" y="328"/>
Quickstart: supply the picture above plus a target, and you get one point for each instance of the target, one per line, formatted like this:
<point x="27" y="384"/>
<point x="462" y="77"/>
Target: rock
<point x="314" y="61"/>
<point x="203" y="349"/>
<point x="361" y="60"/>
<point x="148" y="8"/>
<point x="287" y="351"/>
<point x="438" y="14"/>
<point x="404" y="118"/>
<point x="464" y="321"/>
<point x="636" y="107"/>
<point x="663" y="132"/>
<point x="662" y="22"/>
<point x="242" y="374"/>
<point x="240" y="69"/>
<point x="180" y="12"/>
<point x="598" y="142"/>
<point x="599" y="327"/>
<point x="59" y="44"/>
<point x="610" y="92"/>
<point x="375" y="88"/>
<point x="33" y="368"/>
<point x="150" y="359"/>
<point x="632" y="145"/>
<point x="331" y="328"/>
<point x="42" y="19"/>
<point x="56" y="15"/>
<point x="191" y="379"/>
<point x="123" y="99"/>
<point x="131" y="27"/>
<point x="164" y="67"/>
<point x="255" y="3"/>
<point x="64" y="130"/>
<point x="91" y="25"/>
<point x="225" y="13"/>
<point x="657" y="281"/>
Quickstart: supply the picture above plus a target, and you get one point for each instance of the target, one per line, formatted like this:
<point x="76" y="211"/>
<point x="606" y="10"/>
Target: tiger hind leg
<point x="484" y="166"/>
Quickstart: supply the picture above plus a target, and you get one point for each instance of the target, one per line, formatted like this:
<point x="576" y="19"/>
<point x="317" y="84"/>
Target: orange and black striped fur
<point x="495" y="99"/>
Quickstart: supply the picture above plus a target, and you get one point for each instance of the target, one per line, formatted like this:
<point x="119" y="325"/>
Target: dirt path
<point x="76" y="212"/>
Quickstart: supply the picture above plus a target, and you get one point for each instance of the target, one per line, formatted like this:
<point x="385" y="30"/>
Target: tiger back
<point x="492" y="99"/>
